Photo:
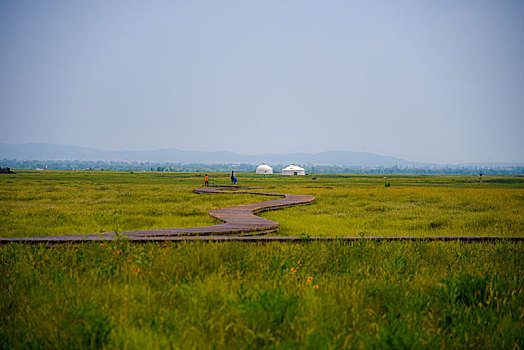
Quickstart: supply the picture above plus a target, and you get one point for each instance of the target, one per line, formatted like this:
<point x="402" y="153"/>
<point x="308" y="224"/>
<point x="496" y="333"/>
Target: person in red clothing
<point x="206" y="181"/>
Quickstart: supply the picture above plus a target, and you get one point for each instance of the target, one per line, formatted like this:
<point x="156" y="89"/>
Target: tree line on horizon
<point x="244" y="167"/>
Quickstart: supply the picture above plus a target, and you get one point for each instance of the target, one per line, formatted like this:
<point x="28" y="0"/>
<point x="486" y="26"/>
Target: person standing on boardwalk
<point x="206" y="181"/>
<point x="233" y="178"/>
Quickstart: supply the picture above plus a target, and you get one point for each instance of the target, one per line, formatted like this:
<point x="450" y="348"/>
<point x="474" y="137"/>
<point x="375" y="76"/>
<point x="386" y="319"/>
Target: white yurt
<point x="264" y="169"/>
<point x="293" y="170"/>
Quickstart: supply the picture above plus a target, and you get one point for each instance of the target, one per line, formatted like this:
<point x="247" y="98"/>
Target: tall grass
<point x="54" y="203"/>
<point x="234" y="295"/>
<point x="59" y="203"/>
<point x="407" y="210"/>
<point x="231" y="295"/>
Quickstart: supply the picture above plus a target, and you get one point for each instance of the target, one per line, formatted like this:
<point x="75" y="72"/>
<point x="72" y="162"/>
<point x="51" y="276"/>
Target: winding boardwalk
<point x="238" y="221"/>
<point x="241" y="224"/>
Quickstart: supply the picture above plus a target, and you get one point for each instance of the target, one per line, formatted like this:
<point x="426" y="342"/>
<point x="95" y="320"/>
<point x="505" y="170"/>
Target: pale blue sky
<point x="434" y="81"/>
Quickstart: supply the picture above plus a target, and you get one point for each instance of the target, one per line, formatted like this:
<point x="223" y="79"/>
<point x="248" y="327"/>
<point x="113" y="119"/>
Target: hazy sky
<point x="436" y="81"/>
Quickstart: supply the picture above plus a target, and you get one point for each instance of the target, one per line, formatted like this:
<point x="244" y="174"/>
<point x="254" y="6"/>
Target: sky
<point x="429" y="81"/>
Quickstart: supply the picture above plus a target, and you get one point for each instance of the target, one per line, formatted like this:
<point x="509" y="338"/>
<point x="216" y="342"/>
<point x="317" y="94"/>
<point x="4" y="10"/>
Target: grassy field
<point x="55" y="203"/>
<point x="234" y="295"/>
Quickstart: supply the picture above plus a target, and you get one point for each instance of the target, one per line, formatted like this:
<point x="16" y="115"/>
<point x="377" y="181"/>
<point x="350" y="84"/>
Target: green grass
<point x="233" y="295"/>
<point x="57" y="203"/>
<point x="408" y="210"/>
<point x="82" y="203"/>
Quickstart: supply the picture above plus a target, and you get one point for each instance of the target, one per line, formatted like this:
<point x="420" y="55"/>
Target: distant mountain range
<point x="44" y="151"/>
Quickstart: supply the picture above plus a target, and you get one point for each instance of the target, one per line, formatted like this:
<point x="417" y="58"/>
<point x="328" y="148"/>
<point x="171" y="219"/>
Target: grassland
<point x="54" y="203"/>
<point x="234" y="295"/>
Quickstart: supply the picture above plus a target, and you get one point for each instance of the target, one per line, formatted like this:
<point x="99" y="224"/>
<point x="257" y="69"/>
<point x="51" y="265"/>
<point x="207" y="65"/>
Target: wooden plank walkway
<point x="238" y="220"/>
<point x="240" y="224"/>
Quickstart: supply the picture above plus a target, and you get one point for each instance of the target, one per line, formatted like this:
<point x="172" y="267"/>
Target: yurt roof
<point x="264" y="166"/>
<point x="293" y="167"/>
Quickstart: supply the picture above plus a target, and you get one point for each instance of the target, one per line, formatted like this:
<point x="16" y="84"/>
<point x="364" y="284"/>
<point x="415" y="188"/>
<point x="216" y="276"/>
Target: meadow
<point x="236" y="295"/>
<point x="55" y="203"/>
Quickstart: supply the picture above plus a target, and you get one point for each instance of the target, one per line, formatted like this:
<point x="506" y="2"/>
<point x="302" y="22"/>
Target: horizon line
<point x="426" y="163"/>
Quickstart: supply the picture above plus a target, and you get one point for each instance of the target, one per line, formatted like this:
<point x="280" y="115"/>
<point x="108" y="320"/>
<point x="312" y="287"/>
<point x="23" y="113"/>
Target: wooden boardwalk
<point x="237" y="221"/>
<point x="240" y="224"/>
